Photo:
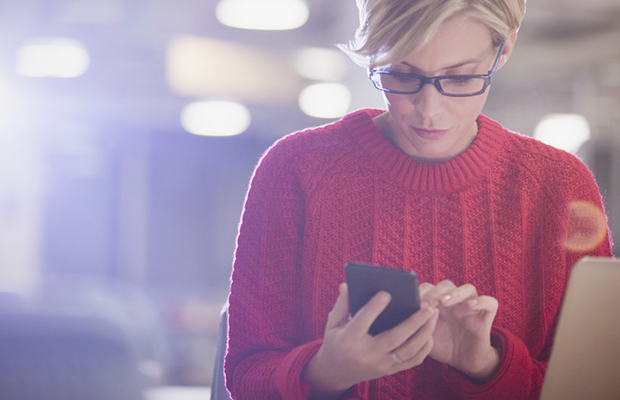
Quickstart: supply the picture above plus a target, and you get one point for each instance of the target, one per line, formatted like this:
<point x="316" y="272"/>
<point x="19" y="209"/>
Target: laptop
<point x="585" y="358"/>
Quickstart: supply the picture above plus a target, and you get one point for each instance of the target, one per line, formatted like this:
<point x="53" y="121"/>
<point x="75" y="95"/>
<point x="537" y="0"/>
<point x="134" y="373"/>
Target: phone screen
<point x="365" y="280"/>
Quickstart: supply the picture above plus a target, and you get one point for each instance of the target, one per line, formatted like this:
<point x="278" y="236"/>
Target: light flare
<point x="587" y="226"/>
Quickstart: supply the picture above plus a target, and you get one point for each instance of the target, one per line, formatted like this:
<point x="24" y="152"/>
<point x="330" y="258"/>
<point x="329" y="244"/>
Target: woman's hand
<point x="462" y="337"/>
<point x="350" y="355"/>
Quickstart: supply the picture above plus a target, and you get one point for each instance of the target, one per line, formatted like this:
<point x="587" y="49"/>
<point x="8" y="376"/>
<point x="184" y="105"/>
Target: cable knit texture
<point x="497" y="216"/>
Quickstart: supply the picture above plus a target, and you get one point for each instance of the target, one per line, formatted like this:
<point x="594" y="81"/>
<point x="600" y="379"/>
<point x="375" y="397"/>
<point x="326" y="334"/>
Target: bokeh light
<point x="215" y="118"/>
<point x="587" y="226"/>
<point x="321" y="64"/>
<point x="563" y="131"/>
<point x="262" y="14"/>
<point x="202" y="67"/>
<point x="52" y="57"/>
<point x="325" y="100"/>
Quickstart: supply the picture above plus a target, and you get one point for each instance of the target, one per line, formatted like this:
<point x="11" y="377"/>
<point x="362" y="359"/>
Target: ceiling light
<point x="321" y="64"/>
<point x="563" y="131"/>
<point x="215" y="118"/>
<point x="52" y="57"/>
<point x="262" y="14"/>
<point x="325" y="100"/>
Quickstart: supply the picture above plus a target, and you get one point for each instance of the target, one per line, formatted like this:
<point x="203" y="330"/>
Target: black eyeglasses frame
<point x="435" y="80"/>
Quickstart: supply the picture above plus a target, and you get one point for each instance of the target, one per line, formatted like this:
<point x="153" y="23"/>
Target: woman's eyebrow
<point x="461" y="64"/>
<point x="475" y="60"/>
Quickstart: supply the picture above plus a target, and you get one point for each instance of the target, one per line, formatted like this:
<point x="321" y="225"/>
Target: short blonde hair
<point x="390" y="30"/>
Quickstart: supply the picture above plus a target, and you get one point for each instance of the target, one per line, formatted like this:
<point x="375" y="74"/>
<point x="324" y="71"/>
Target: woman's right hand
<point x="350" y="355"/>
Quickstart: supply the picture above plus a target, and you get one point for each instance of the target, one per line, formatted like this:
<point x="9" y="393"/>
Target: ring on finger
<point x="395" y="357"/>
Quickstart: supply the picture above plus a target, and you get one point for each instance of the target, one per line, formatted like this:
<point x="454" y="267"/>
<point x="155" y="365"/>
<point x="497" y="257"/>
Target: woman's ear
<point x="510" y="44"/>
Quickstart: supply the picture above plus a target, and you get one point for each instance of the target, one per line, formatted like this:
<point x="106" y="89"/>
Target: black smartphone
<point x="365" y="280"/>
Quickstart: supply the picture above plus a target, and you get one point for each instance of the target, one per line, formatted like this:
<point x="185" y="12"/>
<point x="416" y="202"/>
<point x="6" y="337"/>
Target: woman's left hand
<point x="462" y="337"/>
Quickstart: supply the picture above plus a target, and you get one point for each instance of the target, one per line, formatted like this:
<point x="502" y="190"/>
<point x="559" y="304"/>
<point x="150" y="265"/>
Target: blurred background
<point x="129" y="130"/>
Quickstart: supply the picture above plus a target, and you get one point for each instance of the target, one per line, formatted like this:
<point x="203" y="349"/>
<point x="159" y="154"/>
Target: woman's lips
<point x="430" y="134"/>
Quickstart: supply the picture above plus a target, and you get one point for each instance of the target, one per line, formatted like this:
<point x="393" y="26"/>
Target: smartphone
<point x="365" y="280"/>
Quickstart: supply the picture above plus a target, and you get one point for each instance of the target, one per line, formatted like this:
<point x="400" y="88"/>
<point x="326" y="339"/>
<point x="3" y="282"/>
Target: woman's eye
<point x="459" y="80"/>
<point x="403" y="77"/>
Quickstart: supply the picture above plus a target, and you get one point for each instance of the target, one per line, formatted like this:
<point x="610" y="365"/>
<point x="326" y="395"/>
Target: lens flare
<point x="587" y="226"/>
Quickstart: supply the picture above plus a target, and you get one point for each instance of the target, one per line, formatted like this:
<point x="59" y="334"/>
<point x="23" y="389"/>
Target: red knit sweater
<point x="497" y="216"/>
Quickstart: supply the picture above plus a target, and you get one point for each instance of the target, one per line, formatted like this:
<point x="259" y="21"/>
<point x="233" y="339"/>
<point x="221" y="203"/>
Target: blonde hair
<point x="390" y="30"/>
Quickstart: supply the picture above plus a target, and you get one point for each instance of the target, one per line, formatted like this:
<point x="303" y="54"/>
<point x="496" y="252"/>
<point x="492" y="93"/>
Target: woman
<point x="487" y="218"/>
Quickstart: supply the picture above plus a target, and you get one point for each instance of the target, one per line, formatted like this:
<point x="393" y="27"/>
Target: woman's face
<point x="428" y="125"/>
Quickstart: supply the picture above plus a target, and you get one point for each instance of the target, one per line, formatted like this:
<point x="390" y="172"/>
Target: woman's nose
<point x="428" y="101"/>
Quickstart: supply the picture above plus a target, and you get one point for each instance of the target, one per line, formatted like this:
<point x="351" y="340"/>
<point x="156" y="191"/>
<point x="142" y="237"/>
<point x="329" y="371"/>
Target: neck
<point x="385" y="123"/>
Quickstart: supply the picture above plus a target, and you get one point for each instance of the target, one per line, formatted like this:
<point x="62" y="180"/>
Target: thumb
<point x="339" y="315"/>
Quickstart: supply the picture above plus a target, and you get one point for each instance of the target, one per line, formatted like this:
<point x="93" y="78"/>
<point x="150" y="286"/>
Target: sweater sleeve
<point x="515" y="363"/>
<point x="266" y="349"/>
<point x="584" y="232"/>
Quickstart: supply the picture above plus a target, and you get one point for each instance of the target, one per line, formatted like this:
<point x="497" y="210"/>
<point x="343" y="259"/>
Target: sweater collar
<point x="451" y="175"/>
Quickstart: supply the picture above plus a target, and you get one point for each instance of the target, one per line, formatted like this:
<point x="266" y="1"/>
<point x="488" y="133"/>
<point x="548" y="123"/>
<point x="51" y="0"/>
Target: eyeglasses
<point x="448" y="85"/>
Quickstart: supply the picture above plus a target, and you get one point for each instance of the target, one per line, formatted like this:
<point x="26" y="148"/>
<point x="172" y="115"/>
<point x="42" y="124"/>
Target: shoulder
<point x="546" y="159"/>
<point x="555" y="171"/>
<point x="317" y="146"/>
<point x="522" y="152"/>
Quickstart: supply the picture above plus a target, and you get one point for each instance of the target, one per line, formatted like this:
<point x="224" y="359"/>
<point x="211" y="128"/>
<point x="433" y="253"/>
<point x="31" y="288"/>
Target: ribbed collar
<point x="452" y="175"/>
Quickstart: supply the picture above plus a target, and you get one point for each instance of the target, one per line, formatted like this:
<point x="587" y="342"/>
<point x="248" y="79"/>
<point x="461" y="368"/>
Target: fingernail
<point x="446" y="298"/>
<point x="384" y="296"/>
